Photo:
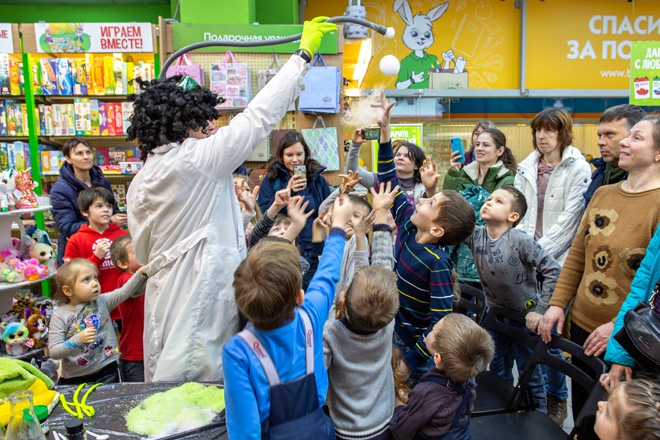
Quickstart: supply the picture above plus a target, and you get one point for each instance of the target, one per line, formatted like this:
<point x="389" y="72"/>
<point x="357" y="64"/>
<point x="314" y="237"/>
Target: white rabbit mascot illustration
<point x="417" y="36"/>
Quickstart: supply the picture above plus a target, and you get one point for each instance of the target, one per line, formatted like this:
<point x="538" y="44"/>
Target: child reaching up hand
<point x="81" y="333"/>
<point x="275" y="378"/>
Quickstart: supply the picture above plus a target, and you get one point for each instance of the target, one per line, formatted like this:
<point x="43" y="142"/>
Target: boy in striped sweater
<point x="422" y="264"/>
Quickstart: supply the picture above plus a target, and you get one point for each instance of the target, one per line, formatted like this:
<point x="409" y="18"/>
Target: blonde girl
<point x="81" y="332"/>
<point x="631" y="412"/>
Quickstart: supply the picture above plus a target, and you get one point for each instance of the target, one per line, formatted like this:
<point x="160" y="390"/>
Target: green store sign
<point x="184" y="34"/>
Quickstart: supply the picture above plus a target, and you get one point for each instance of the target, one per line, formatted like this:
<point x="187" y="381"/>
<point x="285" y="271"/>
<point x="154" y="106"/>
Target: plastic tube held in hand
<point x="386" y="32"/>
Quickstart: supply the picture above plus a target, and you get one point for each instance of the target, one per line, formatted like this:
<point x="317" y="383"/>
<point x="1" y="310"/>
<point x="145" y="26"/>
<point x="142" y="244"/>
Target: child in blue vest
<point x="275" y="377"/>
<point x="439" y="407"/>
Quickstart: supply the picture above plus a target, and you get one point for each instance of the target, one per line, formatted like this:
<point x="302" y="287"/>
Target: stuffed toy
<point x="34" y="270"/>
<point x="8" y="193"/>
<point x="44" y="253"/>
<point x="25" y="185"/>
<point x="36" y="325"/>
<point x="15" y="335"/>
<point x="20" y="303"/>
<point x="14" y="272"/>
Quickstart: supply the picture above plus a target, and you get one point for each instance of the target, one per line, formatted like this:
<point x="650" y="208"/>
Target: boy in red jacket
<point x="131" y="352"/>
<point x="92" y="241"/>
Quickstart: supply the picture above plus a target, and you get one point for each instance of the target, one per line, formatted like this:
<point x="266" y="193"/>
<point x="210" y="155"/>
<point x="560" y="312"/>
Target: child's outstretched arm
<point x="321" y="290"/>
<point x="132" y="288"/>
<point x="249" y="200"/>
<point x="261" y="229"/>
<point x="353" y="160"/>
<point x="381" y="241"/>
<point x="361" y="227"/>
<point x="401" y="209"/>
<point x="298" y="217"/>
<point x="430" y="176"/>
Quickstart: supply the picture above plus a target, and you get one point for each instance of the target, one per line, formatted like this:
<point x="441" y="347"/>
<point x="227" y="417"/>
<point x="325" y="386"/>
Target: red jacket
<point x="82" y="245"/>
<point x="132" y="323"/>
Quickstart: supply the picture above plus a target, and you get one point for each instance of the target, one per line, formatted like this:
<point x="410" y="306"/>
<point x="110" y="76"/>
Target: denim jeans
<point x="506" y="350"/>
<point x="418" y="371"/>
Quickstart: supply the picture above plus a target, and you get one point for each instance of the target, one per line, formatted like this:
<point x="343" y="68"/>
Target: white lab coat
<point x="183" y="213"/>
<point x="563" y="205"/>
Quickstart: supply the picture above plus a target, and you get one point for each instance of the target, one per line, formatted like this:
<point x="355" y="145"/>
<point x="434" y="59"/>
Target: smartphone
<point x="371" y="134"/>
<point x="457" y="145"/>
<point x="300" y="170"/>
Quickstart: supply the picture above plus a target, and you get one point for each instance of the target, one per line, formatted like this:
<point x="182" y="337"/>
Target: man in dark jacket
<point x="614" y="126"/>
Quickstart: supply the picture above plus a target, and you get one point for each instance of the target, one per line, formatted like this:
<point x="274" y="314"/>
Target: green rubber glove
<point x="313" y="32"/>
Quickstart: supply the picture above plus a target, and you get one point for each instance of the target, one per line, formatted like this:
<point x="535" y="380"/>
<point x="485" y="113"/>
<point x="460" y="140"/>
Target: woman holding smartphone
<point x="408" y="160"/>
<point x="493" y="166"/>
<point x="293" y="167"/>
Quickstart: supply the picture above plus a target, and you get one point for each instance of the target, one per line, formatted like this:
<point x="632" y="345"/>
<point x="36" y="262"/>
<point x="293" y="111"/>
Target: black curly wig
<point x="164" y="112"/>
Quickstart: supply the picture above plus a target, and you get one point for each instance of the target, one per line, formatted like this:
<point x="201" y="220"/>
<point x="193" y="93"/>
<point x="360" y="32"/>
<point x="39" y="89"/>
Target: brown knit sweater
<point x="608" y="247"/>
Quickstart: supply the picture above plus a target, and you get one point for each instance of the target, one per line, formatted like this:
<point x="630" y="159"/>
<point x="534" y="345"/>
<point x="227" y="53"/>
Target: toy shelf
<point x="7" y="220"/>
<point x="15" y="286"/>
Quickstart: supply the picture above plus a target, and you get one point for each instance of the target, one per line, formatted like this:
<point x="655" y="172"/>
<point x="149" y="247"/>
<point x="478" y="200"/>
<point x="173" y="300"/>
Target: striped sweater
<point x="423" y="272"/>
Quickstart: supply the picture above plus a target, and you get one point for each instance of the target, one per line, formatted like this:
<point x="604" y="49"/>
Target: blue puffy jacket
<point x="641" y="288"/>
<point x="64" y="198"/>
<point x="318" y="189"/>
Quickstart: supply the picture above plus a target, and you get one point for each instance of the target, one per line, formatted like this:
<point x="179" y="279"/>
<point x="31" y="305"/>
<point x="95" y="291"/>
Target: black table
<point x="112" y="402"/>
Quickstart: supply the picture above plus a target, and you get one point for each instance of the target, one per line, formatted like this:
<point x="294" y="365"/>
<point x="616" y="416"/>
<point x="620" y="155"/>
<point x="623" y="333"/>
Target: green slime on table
<point x="189" y="406"/>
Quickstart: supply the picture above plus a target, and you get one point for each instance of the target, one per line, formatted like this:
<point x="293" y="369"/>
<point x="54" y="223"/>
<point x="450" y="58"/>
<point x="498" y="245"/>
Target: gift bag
<point x="276" y="139"/>
<point x="323" y="144"/>
<point x="185" y="67"/>
<point x="264" y="77"/>
<point x="231" y="80"/>
<point x="321" y="94"/>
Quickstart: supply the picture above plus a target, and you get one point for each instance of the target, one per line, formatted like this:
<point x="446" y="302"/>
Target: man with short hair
<point x="614" y="126"/>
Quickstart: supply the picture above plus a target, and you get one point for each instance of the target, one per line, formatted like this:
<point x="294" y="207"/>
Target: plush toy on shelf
<point x="42" y="248"/>
<point x="15" y="336"/>
<point x="8" y="193"/>
<point x="36" y="325"/>
<point x="25" y="185"/>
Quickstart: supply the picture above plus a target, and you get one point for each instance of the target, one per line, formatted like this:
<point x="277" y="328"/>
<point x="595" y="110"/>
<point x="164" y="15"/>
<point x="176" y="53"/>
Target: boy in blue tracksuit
<point x="275" y="376"/>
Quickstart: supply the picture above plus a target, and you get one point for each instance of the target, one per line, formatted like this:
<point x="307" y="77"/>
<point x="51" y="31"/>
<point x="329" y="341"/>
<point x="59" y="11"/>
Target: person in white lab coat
<point x="183" y="212"/>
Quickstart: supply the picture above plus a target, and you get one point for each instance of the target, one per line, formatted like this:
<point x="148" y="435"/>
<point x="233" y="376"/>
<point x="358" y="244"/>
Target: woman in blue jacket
<point x="77" y="173"/>
<point x="641" y="289"/>
<point x="293" y="151"/>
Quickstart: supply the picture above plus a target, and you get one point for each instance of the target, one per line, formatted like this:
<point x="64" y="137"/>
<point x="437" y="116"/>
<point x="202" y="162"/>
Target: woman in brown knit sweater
<point x="609" y="245"/>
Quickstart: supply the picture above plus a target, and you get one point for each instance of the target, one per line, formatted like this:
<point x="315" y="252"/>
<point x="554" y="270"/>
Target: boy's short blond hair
<point x="372" y="300"/>
<point x="466" y="349"/>
<point x="267" y="283"/>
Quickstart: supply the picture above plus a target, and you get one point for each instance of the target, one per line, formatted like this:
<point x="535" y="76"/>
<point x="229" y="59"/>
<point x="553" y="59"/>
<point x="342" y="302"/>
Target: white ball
<point x="390" y="65"/>
<point x="389" y="33"/>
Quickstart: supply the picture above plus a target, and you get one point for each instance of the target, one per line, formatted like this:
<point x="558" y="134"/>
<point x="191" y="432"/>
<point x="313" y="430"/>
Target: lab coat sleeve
<point x="221" y="153"/>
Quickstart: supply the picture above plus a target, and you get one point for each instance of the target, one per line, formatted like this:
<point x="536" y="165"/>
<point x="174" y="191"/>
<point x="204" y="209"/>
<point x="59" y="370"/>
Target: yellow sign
<point x="586" y="44"/>
<point x="451" y="44"/>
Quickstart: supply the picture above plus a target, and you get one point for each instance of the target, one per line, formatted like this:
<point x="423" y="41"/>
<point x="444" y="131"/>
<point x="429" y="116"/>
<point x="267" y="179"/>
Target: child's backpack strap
<point x="460" y="390"/>
<point x="309" y="340"/>
<point x="264" y="359"/>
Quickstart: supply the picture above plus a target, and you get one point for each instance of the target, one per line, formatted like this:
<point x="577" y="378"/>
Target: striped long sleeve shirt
<point x="424" y="272"/>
